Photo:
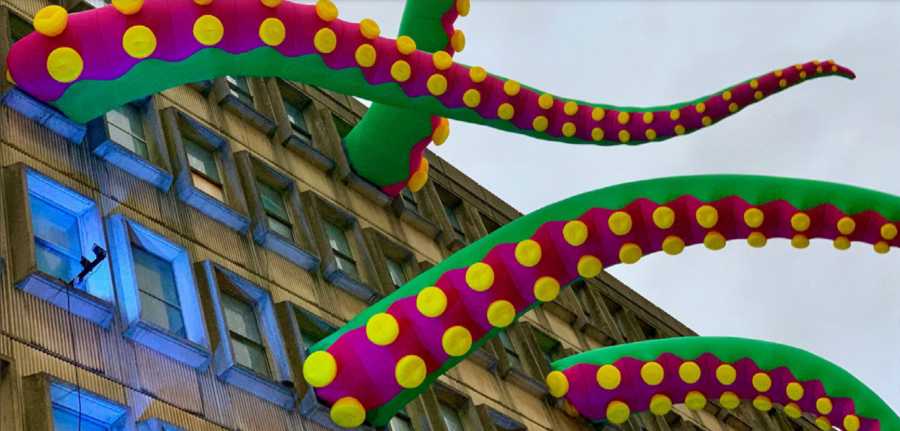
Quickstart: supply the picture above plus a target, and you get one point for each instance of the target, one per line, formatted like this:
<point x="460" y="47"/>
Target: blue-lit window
<point x="158" y="298"/>
<point x="159" y="293"/>
<point x="64" y="227"/>
<point x="250" y="353"/>
<point x="75" y="410"/>
<point x="57" y="240"/>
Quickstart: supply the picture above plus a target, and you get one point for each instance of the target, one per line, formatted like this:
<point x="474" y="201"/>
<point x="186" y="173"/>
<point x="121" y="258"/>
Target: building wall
<point x="38" y="337"/>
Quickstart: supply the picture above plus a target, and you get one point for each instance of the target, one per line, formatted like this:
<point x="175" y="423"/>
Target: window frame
<point x="38" y="392"/>
<point x="156" y="424"/>
<point x="315" y="151"/>
<point x="492" y="420"/>
<point x="309" y="405"/>
<point x="383" y="248"/>
<point x="156" y="170"/>
<point x="224" y="363"/>
<point x="193" y="349"/>
<point x="420" y="220"/>
<point x="300" y="249"/>
<point x="453" y="239"/>
<point x="95" y="302"/>
<point x="24" y="103"/>
<point x="318" y="210"/>
<point x="258" y="114"/>
<point x="232" y="212"/>
<point x="531" y="376"/>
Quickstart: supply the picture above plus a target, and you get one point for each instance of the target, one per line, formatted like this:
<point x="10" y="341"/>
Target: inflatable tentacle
<point x="430" y="24"/>
<point x="408" y="339"/>
<point x="86" y="70"/>
<point x="613" y="382"/>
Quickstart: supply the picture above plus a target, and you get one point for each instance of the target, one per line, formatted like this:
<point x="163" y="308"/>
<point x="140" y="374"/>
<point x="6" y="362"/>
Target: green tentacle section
<point x="756" y="190"/>
<point x="381" y="143"/>
<point x="767" y="355"/>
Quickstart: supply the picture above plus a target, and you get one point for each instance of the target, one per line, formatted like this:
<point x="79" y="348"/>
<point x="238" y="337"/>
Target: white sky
<point x="843" y="306"/>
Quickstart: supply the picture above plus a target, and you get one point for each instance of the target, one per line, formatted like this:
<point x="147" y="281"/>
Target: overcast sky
<point x="843" y="306"/>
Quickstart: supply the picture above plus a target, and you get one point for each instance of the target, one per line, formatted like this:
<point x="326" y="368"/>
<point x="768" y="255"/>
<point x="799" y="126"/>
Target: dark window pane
<point x="451" y="418"/>
<point x="398" y="274"/>
<point x="126" y="128"/>
<point x="201" y="159"/>
<point x="18" y="27"/>
<point x="297" y="120"/>
<point x="240" y="88"/>
<point x="273" y="200"/>
<point x="582" y="296"/>
<point x="337" y="237"/>
<point x="250" y="355"/>
<point x="241" y="318"/>
<point x="409" y="200"/>
<point x="280" y="227"/>
<point x="155" y="276"/>
<point x="347" y="266"/>
<point x="454" y="221"/>
<point x="400" y="423"/>
<point x="161" y="314"/>
<point x="342" y="127"/>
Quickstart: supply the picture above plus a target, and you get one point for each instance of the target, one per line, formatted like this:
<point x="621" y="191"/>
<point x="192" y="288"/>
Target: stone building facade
<point x="231" y="235"/>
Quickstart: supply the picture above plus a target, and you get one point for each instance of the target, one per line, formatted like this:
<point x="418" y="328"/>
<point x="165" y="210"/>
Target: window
<point x="159" y="294"/>
<point x="489" y="225"/>
<point x="277" y="222"/>
<point x="581" y="295"/>
<point x="239" y="87"/>
<point x="400" y="421"/>
<point x="204" y="169"/>
<point x="511" y="353"/>
<point x="57" y="240"/>
<point x="296" y="125"/>
<point x="126" y="128"/>
<point x="55" y="229"/>
<point x="131" y="138"/>
<point x="243" y="326"/>
<point x="18" y="28"/>
<point x="398" y="273"/>
<point x="78" y="410"/>
<point x="450" y="210"/>
<point x="206" y="173"/>
<point x="312" y="329"/>
<point x="277" y="216"/>
<point x="249" y="351"/>
<point x="409" y="200"/>
<point x="297" y="120"/>
<point x="343" y="128"/>
<point x="550" y="348"/>
<point x="650" y="333"/>
<point x="346" y="261"/>
<point x="450" y="416"/>
<point x="158" y="298"/>
<point x="337" y="238"/>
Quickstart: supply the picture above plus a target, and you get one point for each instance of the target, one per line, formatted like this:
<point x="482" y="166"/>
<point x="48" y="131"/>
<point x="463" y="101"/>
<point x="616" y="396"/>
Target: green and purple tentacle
<point x="408" y="339"/>
<point x="104" y="58"/>
<point x="611" y="383"/>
